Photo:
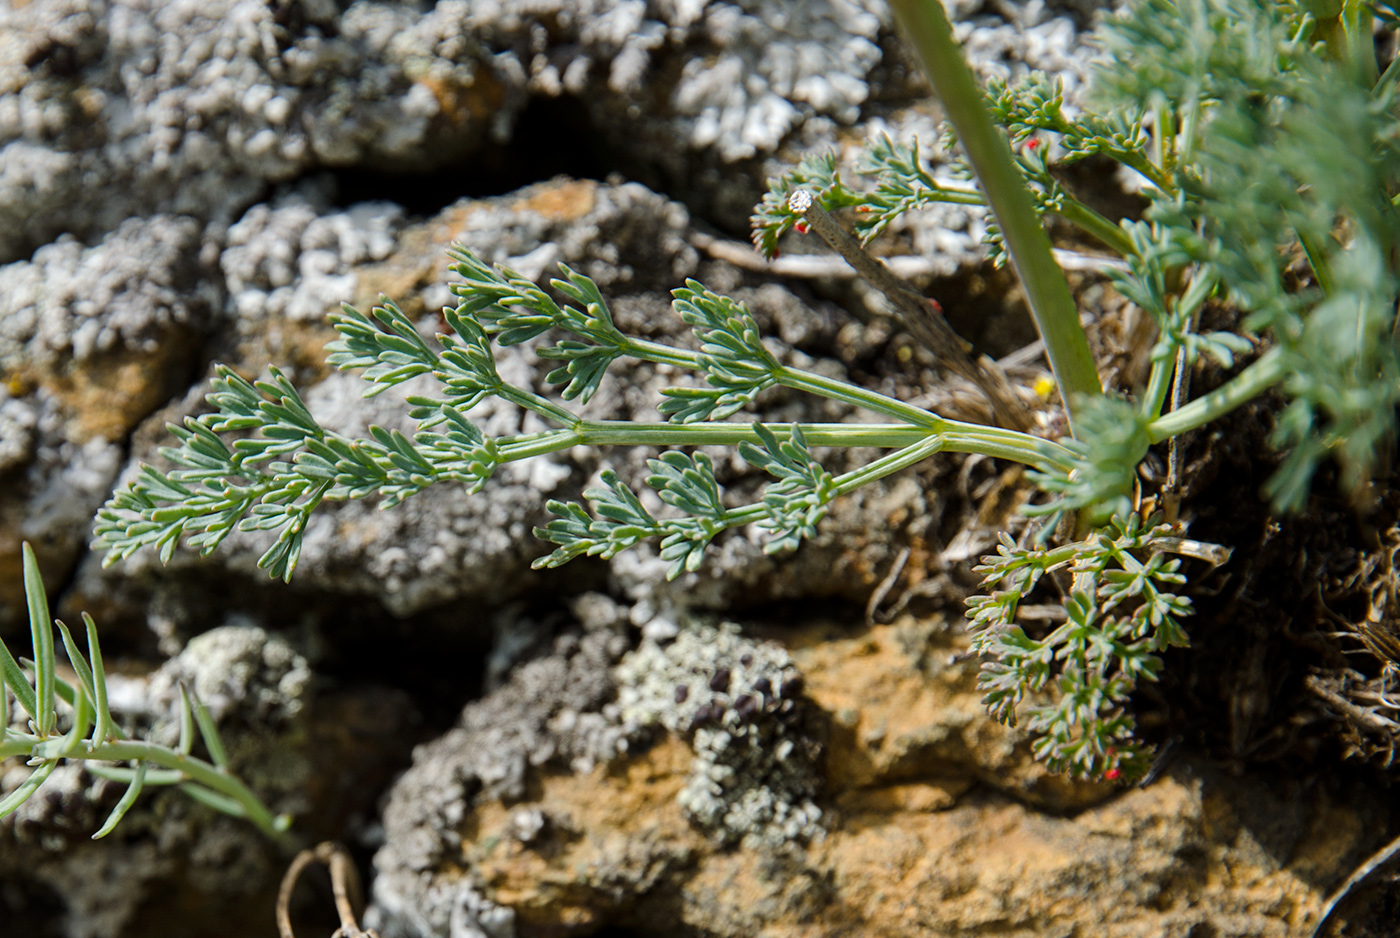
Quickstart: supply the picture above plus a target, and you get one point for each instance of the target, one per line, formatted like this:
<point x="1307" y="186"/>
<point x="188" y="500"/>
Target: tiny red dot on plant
<point x="1032" y="143"/>
<point x="1112" y="775"/>
<point x="800" y="227"/>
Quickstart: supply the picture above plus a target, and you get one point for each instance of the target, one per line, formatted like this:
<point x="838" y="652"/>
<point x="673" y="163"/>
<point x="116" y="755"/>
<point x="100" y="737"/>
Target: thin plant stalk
<point x="1057" y="317"/>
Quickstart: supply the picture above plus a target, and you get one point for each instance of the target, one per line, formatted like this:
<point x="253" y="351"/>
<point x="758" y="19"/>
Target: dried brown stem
<point x="919" y="314"/>
<point x="345" y="885"/>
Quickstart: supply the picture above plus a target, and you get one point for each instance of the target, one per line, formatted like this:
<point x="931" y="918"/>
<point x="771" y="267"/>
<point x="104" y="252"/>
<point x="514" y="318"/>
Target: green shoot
<point x="94" y="738"/>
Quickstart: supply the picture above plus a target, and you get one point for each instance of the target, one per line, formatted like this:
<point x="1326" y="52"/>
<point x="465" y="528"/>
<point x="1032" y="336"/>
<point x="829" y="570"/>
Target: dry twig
<point x="920" y="315"/>
<point x="345" y="884"/>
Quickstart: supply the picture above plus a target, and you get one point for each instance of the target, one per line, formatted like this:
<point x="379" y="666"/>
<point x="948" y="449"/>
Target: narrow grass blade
<point x="156" y="777"/>
<point x="61" y="747"/>
<point x="76" y="658"/>
<point x="61" y="688"/>
<point x="209" y="731"/>
<point x="105" y="727"/>
<point x="124" y="805"/>
<point x="213" y="799"/>
<point x="186" y="721"/>
<point x="17" y="681"/>
<point x="21" y="794"/>
<point x="82" y="719"/>
<point x="41" y="629"/>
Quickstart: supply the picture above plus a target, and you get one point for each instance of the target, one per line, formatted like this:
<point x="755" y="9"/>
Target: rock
<point x="92" y="340"/>
<point x="121" y="109"/>
<point x="934" y="822"/>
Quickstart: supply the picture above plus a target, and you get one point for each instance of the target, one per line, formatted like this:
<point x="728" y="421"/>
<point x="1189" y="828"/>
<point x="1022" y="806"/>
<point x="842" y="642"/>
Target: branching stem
<point x="956" y="436"/>
<point x="1263" y="374"/>
<point x="1056" y="315"/>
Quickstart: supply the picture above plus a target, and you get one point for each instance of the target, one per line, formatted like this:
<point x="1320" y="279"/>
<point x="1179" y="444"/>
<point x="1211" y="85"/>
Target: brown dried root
<point x="345" y="884"/>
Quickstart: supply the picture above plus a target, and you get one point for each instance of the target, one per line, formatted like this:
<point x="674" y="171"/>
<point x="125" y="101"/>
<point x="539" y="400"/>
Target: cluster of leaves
<point x="902" y="183"/>
<point x="284" y="464"/>
<point x="1120" y="614"/>
<point x="1099" y="482"/>
<point x="789" y="510"/>
<point x="902" y="180"/>
<point x="1269" y="153"/>
<point x="1288" y="150"/>
<point x="92" y="736"/>
<point x="1270" y="142"/>
<point x="219" y="488"/>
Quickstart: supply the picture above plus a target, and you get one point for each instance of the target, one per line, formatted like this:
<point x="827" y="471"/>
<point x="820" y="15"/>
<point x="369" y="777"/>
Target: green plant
<point x="1119" y="615"/>
<point x="92" y="736"/>
<point x="1267" y="150"/>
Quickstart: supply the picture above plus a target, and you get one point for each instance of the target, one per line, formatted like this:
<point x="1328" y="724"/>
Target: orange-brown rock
<point x="937" y="825"/>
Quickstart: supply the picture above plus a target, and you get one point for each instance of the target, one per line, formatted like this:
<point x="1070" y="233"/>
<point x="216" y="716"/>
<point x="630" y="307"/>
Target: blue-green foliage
<point x="1121" y="615"/>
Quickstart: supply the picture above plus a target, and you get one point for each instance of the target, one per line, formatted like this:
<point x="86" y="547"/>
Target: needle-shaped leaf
<point x="28" y="787"/>
<point x="103" y="728"/>
<point x="212" y="799"/>
<point x="186" y="722"/>
<point x="209" y="732"/>
<point x="123" y="805"/>
<point x="75" y="658"/>
<point x="17" y="681"/>
<point x="156" y="777"/>
<point x="41" y="632"/>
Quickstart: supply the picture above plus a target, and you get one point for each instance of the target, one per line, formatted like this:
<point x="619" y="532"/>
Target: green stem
<point x="537" y="404"/>
<point x="1158" y="381"/>
<point x="1143" y="166"/>
<point x="960" y="438"/>
<point x="1043" y="458"/>
<point x="197" y="770"/>
<point x="951" y="196"/>
<point x="1202" y="285"/>
<point x="891" y="463"/>
<point x="1263" y="374"/>
<point x="1056" y="316"/>
<point x="860" y="397"/>
<point x="850" y="481"/>
<point x="663" y="354"/>
<point x="1095" y="224"/>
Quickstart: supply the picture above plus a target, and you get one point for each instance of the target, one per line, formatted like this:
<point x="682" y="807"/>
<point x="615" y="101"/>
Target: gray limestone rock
<point x="738" y="702"/>
<point x="127" y="294"/>
<point x="556" y="710"/>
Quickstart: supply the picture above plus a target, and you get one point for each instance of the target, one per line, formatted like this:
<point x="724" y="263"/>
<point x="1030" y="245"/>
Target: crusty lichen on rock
<point x="737" y="700"/>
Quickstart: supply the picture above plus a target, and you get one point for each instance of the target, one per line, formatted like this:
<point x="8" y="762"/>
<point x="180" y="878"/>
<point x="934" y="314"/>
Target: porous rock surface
<point x="164" y="203"/>
<point x="117" y="108"/>
<point x="934" y="819"/>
